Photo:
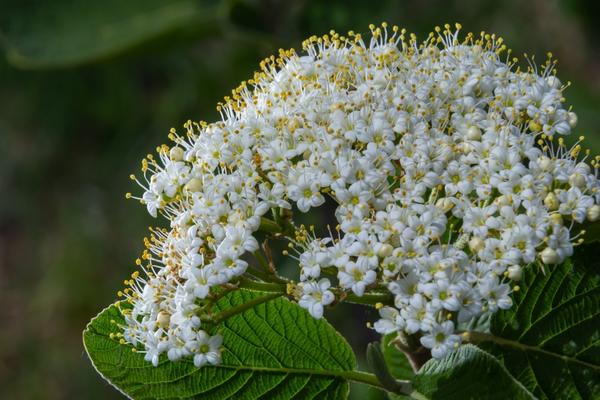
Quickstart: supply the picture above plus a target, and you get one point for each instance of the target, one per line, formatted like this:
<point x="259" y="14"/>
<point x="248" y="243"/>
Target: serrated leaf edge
<point x="86" y="330"/>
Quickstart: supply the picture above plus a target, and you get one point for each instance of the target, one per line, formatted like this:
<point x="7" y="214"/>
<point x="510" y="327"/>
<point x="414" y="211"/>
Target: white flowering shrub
<point x="453" y="196"/>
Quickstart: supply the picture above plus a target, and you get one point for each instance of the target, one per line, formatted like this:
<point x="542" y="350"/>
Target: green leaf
<point x="379" y="366"/>
<point x="468" y="373"/>
<point x="395" y="359"/>
<point x="550" y="339"/>
<point x="61" y="33"/>
<point x="274" y="350"/>
<point x="397" y="363"/>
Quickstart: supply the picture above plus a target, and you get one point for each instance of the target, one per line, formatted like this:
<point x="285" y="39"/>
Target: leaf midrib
<point x="357" y="376"/>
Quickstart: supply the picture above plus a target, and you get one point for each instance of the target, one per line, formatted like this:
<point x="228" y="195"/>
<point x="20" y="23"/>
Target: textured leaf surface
<point x="272" y="351"/>
<point x="65" y="33"/>
<point x="397" y="363"/>
<point x="550" y="338"/>
<point x="468" y="373"/>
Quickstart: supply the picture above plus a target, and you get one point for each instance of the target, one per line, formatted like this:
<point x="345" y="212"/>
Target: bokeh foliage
<point x="88" y="88"/>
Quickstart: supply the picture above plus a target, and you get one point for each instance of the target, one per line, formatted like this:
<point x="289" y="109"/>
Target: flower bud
<point x="193" y="185"/>
<point x="551" y="201"/>
<point x="176" y="153"/>
<point x="384" y="250"/>
<point x="545" y="163"/>
<point x="583" y="168"/>
<point x="593" y="213"/>
<point x="577" y="180"/>
<point x="163" y="319"/>
<point x="465" y="147"/>
<point x="444" y="204"/>
<point x="503" y="200"/>
<point x="515" y="272"/>
<point x="476" y="244"/>
<point x="474" y="133"/>
<point x="549" y="256"/>
<point x="573" y="119"/>
<point x="535" y="126"/>
<point x="556" y="219"/>
<point x="553" y="82"/>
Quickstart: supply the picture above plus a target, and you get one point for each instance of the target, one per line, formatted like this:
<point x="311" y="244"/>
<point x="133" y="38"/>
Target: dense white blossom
<point x="442" y="160"/>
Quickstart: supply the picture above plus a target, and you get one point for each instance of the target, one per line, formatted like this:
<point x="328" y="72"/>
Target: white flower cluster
<point x="440" y="155"/>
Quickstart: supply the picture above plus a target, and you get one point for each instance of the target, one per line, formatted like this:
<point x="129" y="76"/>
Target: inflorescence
<point x="445" y="159"/>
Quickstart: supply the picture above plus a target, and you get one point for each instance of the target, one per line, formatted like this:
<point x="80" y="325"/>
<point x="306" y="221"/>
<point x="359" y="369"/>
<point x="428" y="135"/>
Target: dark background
<point x="88" y="88"/>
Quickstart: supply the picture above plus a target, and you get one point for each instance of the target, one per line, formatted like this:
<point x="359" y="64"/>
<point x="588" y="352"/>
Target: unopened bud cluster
<point x="443" y="159"/>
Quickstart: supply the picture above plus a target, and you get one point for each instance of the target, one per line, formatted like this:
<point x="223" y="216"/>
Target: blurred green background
<point x="88" y="88"/>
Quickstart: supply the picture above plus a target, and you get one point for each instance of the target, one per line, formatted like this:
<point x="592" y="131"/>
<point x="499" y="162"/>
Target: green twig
<point x="362" y="377"/>
<point x="272" y="287"/>
<point x="403" y="387"/>
<point x="269" y="257"/>
<point x="277" y="216"/>
<point x="262" y="261"/>
<point x="268" y="272"/>
<point x="369" y="299"/>
<point x="256" y="273"/>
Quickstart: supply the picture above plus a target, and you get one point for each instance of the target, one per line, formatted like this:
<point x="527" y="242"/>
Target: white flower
<point x="559" y="241"/>
<point x="441" y="339"/>
<point x="478" y="220"/>
<point x="415" y="313"/>
<point x="311" y="268"/>
<point x="228" y="263"/>
<point x="363" y="248"/>
<point x="152" y="201"/>
<point x="207" y="349"/>
<point x="495" y="293"/>
<point x="200" y="280"/>
<point x="315" y="296"/>
<point x="356" y="194"/>
<point x="442" y="295"/>
<point x="470" y="302"/>
<point x="390" y="321"/>
<point x="574" y="203"/>
<point x="274" y="195"/>
<point x="238" y="240"/>
<point x="305" y="192"/>
<point x="356" y="276"/>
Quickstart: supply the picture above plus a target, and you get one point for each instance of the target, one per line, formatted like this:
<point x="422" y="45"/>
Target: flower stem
<point x="363" y="377"/>
<point x="370" y="299"/>
<point x="405" y="387"/>
<point x="261" y="260"/>
<point x="272" y="287"/>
